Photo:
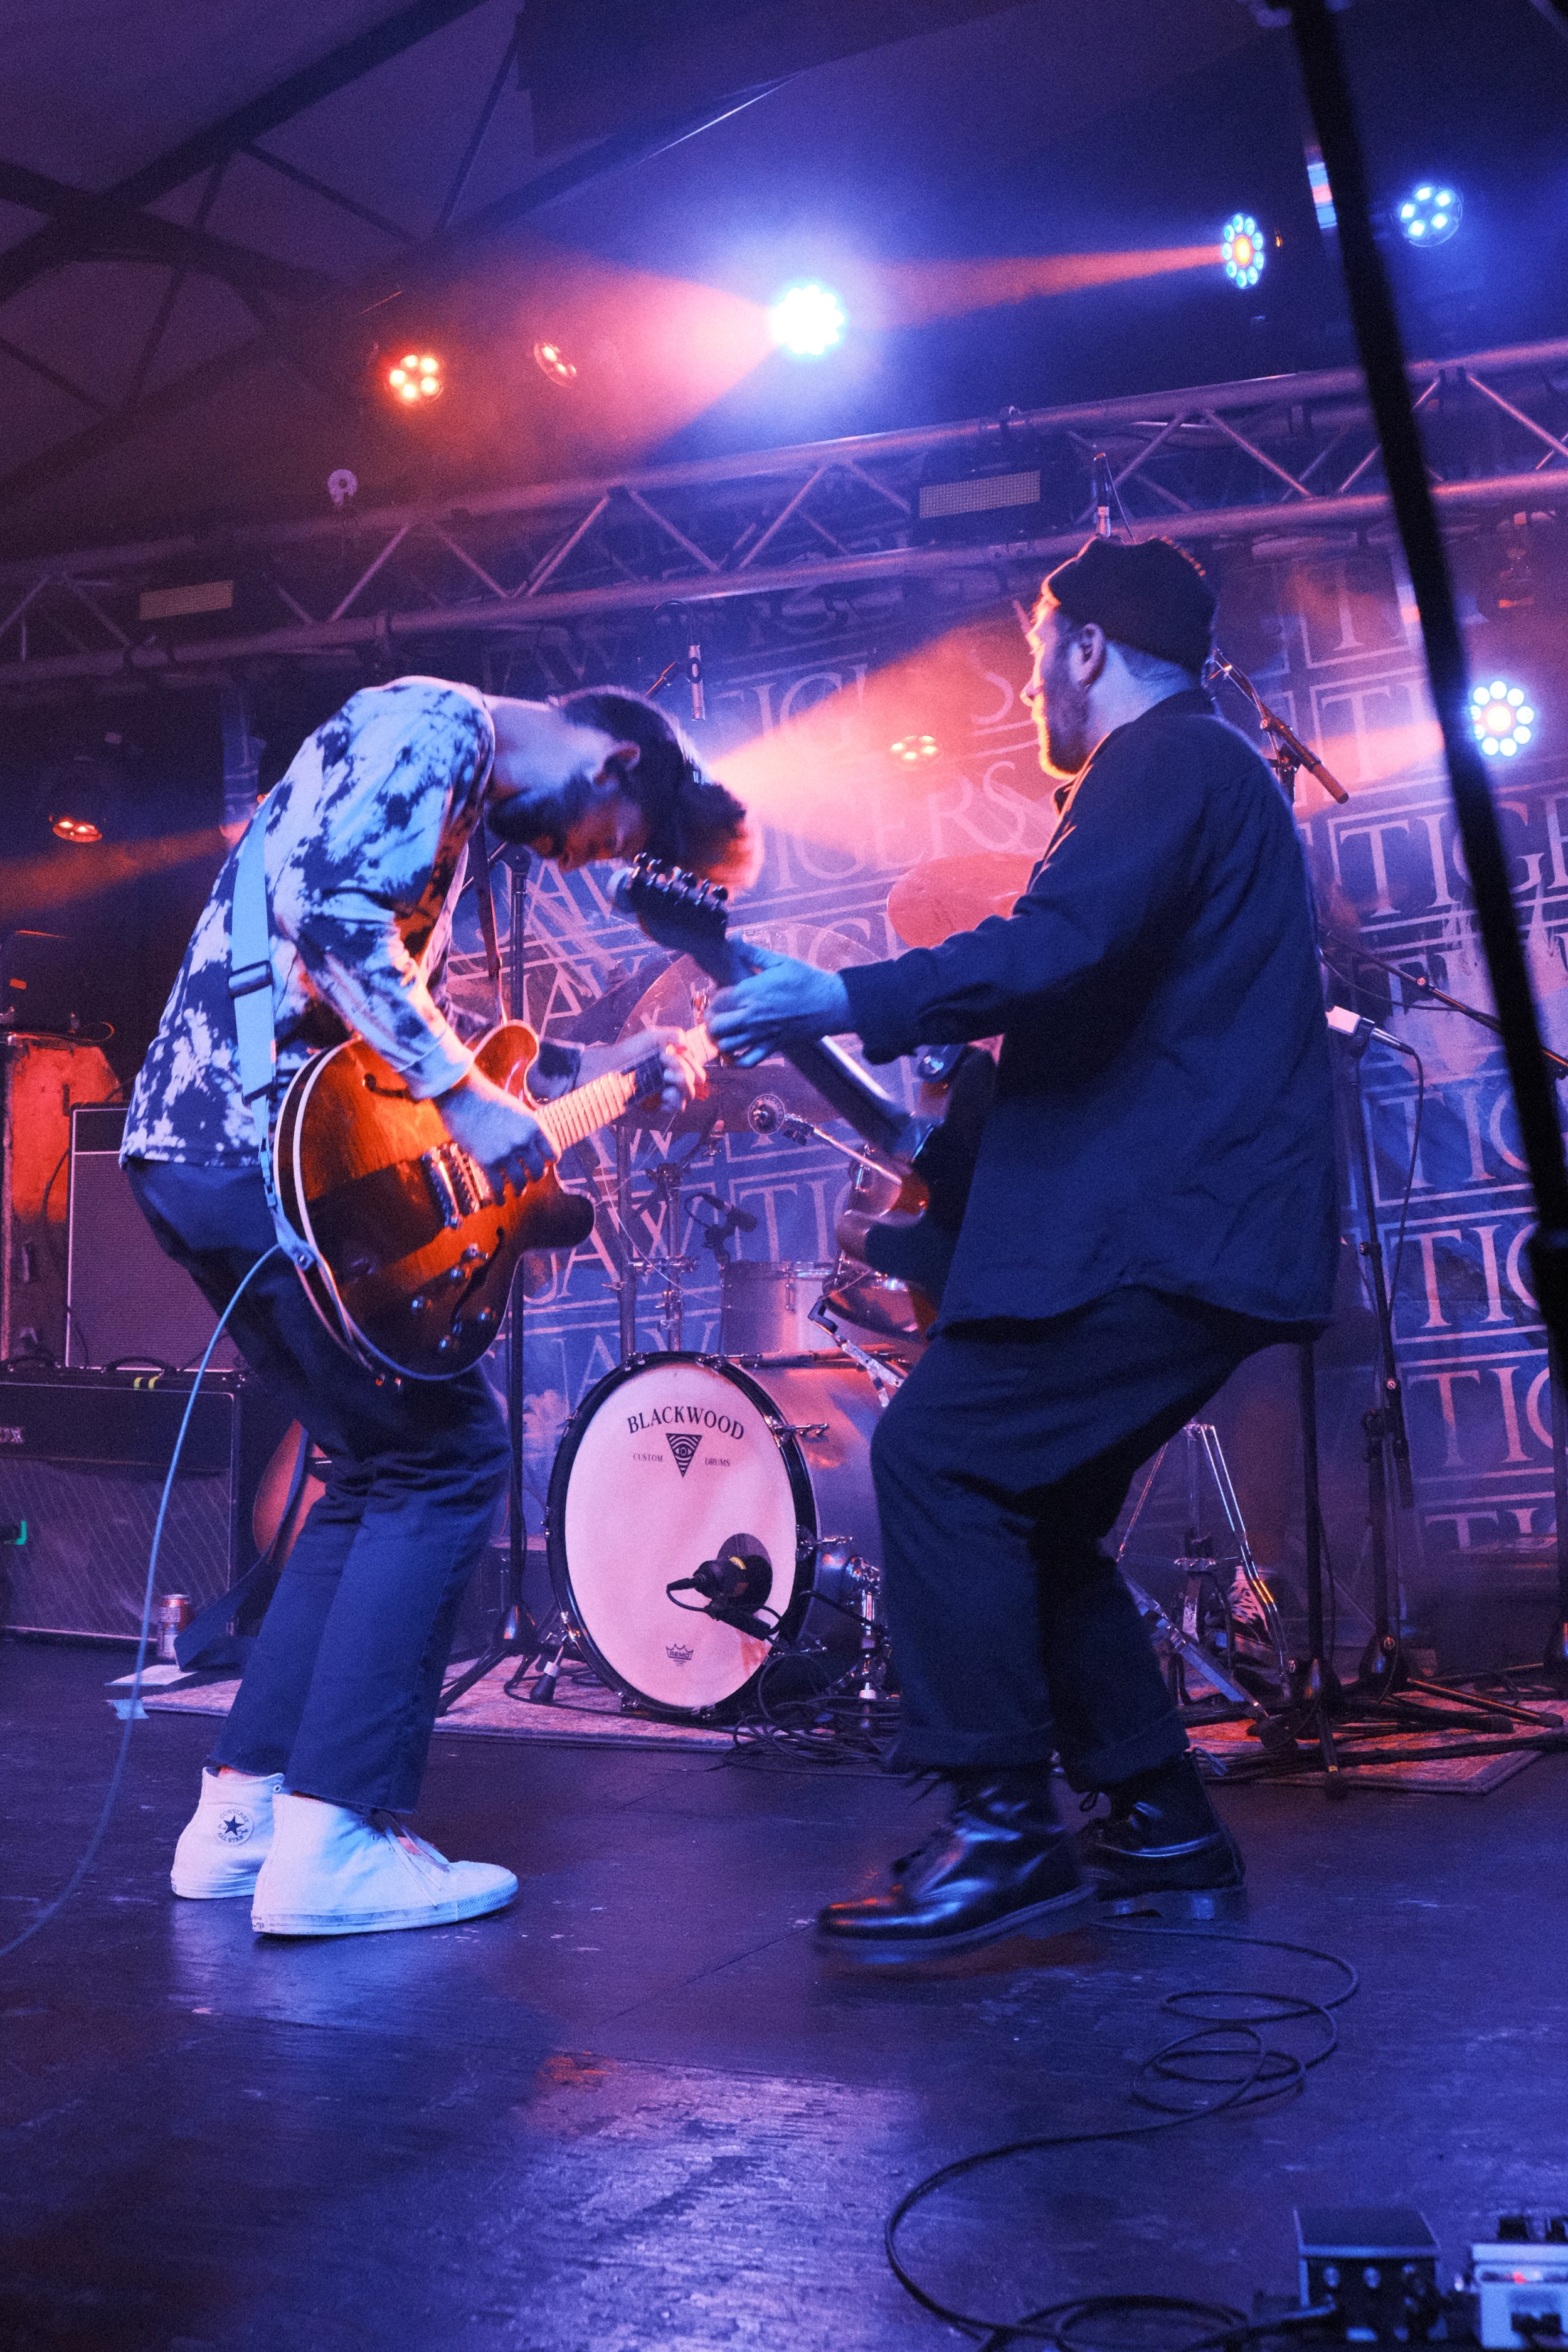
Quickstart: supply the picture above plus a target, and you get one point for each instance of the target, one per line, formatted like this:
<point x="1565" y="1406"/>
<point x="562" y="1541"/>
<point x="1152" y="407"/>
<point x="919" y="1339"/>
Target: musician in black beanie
<point x="1154" y="1201"/>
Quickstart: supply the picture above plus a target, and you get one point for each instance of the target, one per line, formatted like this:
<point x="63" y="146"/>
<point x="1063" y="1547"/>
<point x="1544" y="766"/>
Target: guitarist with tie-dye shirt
<point x="325" y="1746"/>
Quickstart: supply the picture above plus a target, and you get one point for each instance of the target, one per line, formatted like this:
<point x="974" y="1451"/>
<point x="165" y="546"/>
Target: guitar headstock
<point x="677" y="909"/>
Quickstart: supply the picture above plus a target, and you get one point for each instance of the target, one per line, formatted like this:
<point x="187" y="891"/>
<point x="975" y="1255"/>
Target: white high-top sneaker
<point x="333" y="1873"/>
<point x="226" y="1839"/>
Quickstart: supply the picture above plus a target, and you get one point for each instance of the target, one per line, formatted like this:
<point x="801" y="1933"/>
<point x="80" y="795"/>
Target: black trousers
<point x="999" y="1467"/>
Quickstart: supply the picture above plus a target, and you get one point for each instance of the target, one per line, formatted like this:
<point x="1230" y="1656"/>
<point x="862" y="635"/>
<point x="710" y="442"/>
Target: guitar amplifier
<point x="83" y="1457"/>
<point x="125" y="1301"/>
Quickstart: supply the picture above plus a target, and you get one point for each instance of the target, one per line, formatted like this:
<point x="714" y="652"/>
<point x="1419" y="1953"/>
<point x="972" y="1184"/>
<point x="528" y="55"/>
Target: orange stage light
<point x="415" y="378"/>
<point x="641" y="355"/>
<point x="919" y="293"/>
<point x="32" y="886"/>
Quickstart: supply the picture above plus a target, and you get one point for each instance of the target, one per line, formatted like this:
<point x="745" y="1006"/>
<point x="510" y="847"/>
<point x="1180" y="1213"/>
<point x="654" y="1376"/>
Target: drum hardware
<point x="715" y="1237"/>
<point x="768" y="1116"/>
<point x="885" y="1378"/>
<point x="671" y="1263"/>
<point x="1190" y="1643"/>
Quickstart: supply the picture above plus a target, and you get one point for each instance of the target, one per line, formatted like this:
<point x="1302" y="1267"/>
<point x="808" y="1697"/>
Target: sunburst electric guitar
<point x="415" y="1244"/>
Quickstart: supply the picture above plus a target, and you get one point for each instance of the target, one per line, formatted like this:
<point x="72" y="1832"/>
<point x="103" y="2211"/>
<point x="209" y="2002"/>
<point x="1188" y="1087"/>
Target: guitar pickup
<point x="457" y="1182"/>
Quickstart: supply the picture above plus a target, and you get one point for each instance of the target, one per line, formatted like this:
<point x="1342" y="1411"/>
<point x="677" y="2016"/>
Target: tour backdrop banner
<point x="871" y="739"/>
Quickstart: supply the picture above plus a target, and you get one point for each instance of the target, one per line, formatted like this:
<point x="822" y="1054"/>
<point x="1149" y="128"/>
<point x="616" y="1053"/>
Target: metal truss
<point x="1258" y="464"/>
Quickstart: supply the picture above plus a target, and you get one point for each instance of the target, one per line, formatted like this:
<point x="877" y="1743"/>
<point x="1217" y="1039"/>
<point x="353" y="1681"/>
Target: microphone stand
<point x="1318" y="1699"/>
<point x="1554" y="1663"/>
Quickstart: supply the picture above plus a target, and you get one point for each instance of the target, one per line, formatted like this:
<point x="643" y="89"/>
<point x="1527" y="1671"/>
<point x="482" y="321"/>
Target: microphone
<point x="741" y="1220"/>
<point x="694" y="677"/>
<point x="1101" y="477"/>
<point x="732" y="1588"/>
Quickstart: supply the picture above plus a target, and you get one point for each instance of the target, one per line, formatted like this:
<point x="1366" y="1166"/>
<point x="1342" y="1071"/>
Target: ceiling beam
<point x="427" y="260"/>
<point x="106" y="226"/>
<point x="49" y="248"/>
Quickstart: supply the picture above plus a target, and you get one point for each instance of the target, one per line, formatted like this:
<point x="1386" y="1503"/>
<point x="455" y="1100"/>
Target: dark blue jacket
<point x="1162" y="1113"/>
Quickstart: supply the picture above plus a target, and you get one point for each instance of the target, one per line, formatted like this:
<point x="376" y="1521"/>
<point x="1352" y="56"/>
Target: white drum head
<point x="660" y="1469"/>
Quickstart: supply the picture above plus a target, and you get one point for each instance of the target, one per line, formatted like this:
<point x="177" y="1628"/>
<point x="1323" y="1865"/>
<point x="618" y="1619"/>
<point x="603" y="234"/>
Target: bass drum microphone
<point x="733" y="1587"/>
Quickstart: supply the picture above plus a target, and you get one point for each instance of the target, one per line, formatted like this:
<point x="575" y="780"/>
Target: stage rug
<point x="585" y="1713"/>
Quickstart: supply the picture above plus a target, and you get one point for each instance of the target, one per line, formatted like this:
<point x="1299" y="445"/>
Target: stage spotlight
<point x="807" y="320"/>
<point x="74" y="828"/>
<point x="1241" y="249"/>
<point x="913" y="750"/>
<point x="414" y="378"/>
<point x="552" y="361"/>
<point x="1431" y="214"/>
<point x="1503" y="720"/>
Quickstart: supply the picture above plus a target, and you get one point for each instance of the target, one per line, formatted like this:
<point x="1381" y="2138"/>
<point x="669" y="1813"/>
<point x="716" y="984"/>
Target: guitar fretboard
<point x="570" y="1117"/>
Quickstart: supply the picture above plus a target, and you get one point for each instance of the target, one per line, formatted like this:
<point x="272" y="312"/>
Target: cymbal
<point x="944" y="895"/>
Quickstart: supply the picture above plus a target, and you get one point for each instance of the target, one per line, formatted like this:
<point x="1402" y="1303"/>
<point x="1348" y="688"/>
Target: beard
<point x="539" y="818"/>
<point x="1067" y="743"/>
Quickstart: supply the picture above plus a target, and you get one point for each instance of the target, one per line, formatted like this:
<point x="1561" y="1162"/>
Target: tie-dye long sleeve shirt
<point x="364" y="836"/>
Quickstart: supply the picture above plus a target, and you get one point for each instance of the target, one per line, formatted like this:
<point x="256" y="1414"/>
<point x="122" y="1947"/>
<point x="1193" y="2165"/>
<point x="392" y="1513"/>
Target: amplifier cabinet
<point x="125" y="1300"/>
<point x="41" y="1081"/>
<point x="83" y="1457"/>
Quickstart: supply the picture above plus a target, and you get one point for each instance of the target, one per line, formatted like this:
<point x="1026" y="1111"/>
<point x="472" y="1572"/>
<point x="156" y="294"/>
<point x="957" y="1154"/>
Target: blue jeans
<point x="341" y="1690"/>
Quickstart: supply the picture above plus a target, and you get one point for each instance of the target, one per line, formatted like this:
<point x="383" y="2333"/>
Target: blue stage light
<point x="807" y="320"/>
<point x="1431" y="214"/>
<point x="1242" y="250"/>
<point x="1503" y="719"/>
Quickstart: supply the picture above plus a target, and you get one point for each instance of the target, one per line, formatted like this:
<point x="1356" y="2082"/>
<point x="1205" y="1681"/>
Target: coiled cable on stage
<point x="1227" y="2049"/>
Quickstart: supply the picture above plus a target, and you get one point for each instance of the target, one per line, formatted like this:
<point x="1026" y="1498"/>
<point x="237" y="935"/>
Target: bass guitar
<point x="416" y="1245"/>
<point x="904" y="1215"/>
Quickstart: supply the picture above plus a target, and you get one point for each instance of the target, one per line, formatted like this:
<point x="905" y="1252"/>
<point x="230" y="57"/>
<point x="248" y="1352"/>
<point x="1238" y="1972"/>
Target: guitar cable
<point x="118" y="1774"/>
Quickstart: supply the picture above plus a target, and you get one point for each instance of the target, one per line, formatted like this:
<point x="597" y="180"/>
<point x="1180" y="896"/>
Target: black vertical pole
<point x="1383" y="362"/>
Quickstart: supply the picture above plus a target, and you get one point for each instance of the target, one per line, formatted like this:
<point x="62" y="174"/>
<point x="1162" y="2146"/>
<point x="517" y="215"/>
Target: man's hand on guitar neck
<point x="493" y="1128"/>
<point x="783" y="1002"/>
<point x="682" y="1070"/>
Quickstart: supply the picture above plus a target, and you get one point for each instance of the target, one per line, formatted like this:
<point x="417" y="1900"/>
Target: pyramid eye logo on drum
<point x="684" y="1449"/>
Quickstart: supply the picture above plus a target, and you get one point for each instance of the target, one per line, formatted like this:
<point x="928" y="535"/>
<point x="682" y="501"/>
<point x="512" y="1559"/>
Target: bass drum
<point x="676" y="1459"/>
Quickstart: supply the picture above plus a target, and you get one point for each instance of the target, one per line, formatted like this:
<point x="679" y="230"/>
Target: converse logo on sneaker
<point x="235" y="1828"/>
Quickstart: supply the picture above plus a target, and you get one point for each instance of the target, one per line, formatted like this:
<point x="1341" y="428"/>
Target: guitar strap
<point x="250" y="992"/>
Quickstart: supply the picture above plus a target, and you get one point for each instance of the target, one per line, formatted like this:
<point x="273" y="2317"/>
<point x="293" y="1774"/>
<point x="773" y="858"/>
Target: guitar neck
<point x="569" y="1117"/>
<point x="678" y="910"/>
<point x="873" y="1114"/>
<point x="871" y="1110"/>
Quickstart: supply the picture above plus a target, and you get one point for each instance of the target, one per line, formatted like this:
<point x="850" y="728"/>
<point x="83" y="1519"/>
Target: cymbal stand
<point x="667" y="1177"/>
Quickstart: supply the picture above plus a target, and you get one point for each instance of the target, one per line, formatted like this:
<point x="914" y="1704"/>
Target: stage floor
<point x="639" y="2111"/>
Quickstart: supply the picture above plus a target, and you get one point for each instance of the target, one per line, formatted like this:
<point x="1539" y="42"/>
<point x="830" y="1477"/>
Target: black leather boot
<point x="1002" y="1864"/>
<point x="1164" y="1848"/>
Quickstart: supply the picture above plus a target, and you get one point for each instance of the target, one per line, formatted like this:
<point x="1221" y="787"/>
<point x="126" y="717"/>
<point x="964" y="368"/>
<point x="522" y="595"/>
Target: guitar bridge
<point x="457" y="1183"/>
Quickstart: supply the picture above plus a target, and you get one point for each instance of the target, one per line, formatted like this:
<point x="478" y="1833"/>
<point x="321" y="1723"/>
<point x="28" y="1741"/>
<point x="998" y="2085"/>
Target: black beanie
<point x="1151" y="595"/>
